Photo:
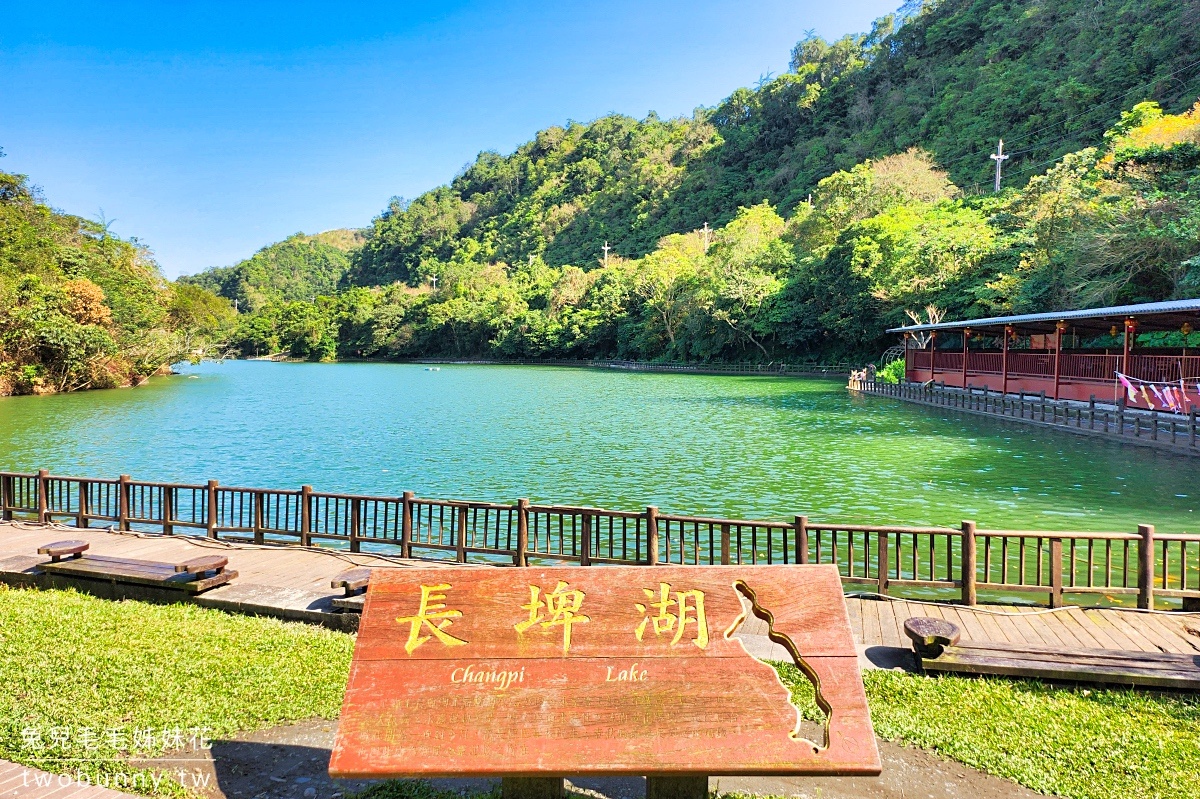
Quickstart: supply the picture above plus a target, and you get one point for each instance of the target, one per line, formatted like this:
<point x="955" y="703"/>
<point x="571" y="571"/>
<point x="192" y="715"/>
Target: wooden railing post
<point x="353" y="507"/>
<point x="585" y="542"/>
<point x="43" y="496"/>
<point x="652" y="535"/>
<point x="306" y="516"/>
<point x="123" y="502"/>
<point x="522" y="556"/>
<point x="1192" y="427"/>
<point x="406" y="524"/>
<point x="801" y="540"/>
<point x="725" y="545"/>
<point x="6" y="498"/>
<point x="460" y="541"/>
<point x="1146" y="567"/>
<point x="258" y="517"/>
<point x="881" y="558"/>
<point x="212" y="509"/>
<point x="85" y="504"/>
<point x="968" y="563"/>
<point x="167" y="506"/>
<point x="1056" y="573"/>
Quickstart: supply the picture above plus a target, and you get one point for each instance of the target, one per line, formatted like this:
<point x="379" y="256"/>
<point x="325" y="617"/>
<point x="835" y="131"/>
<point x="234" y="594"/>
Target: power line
<point x="1139" y="87"/>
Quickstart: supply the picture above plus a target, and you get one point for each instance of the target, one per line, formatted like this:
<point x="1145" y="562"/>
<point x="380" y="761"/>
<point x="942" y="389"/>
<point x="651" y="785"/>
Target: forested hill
<point x="298" y="268"/>
<point x="802" y="218"/>
<point x="1047" y="76"/>
<point x="81" y="308"/>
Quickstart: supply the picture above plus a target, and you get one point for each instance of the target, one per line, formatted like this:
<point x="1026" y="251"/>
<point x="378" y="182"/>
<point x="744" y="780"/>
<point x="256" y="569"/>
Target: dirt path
<point x="291" y="762"/>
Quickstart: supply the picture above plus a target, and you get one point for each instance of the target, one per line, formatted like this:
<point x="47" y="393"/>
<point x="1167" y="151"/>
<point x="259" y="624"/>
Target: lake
<point x="743" y="447"/>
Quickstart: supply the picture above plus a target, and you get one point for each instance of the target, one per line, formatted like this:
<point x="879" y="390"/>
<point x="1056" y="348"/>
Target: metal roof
<point x="1169" y="315"/>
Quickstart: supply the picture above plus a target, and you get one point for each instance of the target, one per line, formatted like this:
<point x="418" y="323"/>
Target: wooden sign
<point x="532" y="672"/>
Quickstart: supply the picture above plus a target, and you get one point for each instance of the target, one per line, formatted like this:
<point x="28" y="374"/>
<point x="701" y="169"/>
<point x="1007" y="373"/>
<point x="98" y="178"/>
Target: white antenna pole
<point x="999" y="157"/>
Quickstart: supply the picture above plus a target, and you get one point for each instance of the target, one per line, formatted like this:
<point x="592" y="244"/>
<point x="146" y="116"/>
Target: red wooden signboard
<point x="531" y="672"/>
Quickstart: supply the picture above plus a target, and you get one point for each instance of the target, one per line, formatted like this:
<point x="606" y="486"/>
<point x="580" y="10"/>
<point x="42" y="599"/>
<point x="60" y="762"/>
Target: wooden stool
<point x="930" y="636"/>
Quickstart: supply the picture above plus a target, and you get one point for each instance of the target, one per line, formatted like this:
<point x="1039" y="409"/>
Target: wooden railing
<point x="961" y="560"/>
<point x="1179" y="431"/>
<point x="803" y="368"/>
<point x="1072" y="365"/>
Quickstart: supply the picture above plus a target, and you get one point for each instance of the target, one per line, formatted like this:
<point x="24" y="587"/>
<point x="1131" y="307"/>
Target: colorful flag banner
<point x="1162" y="396"/>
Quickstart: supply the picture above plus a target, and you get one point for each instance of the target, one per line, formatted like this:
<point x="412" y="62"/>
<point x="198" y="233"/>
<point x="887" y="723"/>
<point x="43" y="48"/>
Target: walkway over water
<point x="293" y="583"/>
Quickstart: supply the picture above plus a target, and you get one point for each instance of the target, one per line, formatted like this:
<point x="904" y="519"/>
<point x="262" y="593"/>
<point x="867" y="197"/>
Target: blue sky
<point x="208" y="130"/>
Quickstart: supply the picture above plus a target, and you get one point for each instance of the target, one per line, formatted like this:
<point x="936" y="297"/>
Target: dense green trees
<point x="1115" y="223"/>
<point x="80" y="308"/>
<point x="1048" y="77"/>
<point x="298" y="268"/>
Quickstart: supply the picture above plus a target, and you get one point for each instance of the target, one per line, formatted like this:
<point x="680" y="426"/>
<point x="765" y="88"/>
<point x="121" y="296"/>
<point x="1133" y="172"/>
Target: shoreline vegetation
<point x="81" y="308"/>
<point x="795" y="221"/>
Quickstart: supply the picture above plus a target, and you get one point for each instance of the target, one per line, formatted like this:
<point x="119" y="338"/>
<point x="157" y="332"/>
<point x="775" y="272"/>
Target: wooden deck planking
<point x="966" y="621"/>
<point x="1102" y="634"/>
<point x="889" y="630"/>
<point x="1173" y="629"/>
<point x="872" y="633"/>
<point x="1086" y="635"/>
<point x="1162" y="636"/>
<point x="1115" y="633"/>
<point x="856" y="625"/>
<point x="1013" y="630"/>
<point x="991" y="626"/>
<point x="1134" y="633"/>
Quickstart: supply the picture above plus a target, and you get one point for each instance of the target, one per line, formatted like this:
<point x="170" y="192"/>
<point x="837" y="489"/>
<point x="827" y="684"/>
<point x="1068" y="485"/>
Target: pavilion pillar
<point x="1058" y="331"/>
<point x="1125" y="353"/>
<point x="1004" y="360"/>
<point x="966" y="340"/>
<point x="907" y="361"/>
<point x="933" y="356"/>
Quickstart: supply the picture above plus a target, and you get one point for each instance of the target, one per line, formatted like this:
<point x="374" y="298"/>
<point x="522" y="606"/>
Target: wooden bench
<point x="938" y="647"/>
<point x="192" y="576"/>
<point x="354" y="584"/>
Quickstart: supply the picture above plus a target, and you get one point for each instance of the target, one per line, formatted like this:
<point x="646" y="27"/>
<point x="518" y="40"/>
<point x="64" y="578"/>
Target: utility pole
<point x="705" y="231"/>
<point x="999" y="157"/>
<point x="606" y="248"/>
<point x="433" y="280"/>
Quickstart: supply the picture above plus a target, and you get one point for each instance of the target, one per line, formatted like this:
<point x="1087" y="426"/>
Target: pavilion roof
<point x="1151" y="316"/>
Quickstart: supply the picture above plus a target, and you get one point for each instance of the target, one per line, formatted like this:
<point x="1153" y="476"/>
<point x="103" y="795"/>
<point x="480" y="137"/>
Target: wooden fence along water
<point x="1158" y="428"/>
<point x="882" y="558"/>
<point x="802" y="369"/>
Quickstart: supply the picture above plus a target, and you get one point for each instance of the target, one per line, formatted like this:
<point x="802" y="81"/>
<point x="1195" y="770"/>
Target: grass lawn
<point x="86" y="682"/>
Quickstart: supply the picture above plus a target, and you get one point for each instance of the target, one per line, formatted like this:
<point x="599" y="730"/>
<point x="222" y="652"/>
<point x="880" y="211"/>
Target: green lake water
<point x="745" y="447"/>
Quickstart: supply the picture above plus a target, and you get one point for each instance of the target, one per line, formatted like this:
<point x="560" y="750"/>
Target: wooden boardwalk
<point x="880" y="623"/>
<point x="26" y="782"/>
<point x="291" y="582"/>
<point x="282" y="581"/>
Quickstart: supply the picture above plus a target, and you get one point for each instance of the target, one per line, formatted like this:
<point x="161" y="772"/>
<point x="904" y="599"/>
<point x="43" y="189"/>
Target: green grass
<point x="1073" y="742"/>
<point x="70" y="660"/>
